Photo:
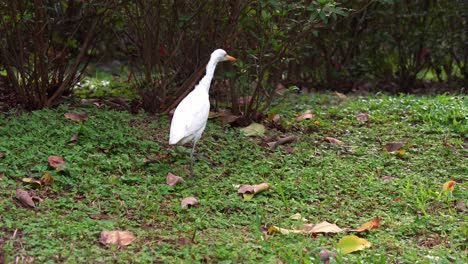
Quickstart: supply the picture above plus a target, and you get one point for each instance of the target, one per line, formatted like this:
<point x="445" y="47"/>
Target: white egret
<point x="191" y="114"/>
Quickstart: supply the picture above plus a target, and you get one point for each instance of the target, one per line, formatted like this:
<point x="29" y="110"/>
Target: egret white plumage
<point x="191" y="114"/>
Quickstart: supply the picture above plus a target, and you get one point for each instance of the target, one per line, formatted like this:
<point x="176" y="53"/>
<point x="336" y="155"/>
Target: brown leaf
<point x="326" y="254"/>
<point x="325" y="227"/>
<point x="289" y="149"/>
<point x="260" y="187"/>
<point x="363" y="117"/>
<point x="228" y="119"/>
<point x="120" y="238"/>
<point x="56" y="162"/>
<point x="333" y="140"/>
<point x="76" y="116"/>
<point x="393" y="146"/>
<point x="274" y="117"/>
<point x="189" y="201"/>
<point x="246" y="189"/>
<point x="2" y="155"/>
<point x="46" y="178"/>
<point x="368" y="225"/>
<point x="340" y="95"/>
<point x="2" y="175"/>
<point x="172" y="179"/>
<point x="387" y="178"/>
<point x="306" y="115"/>
<point x="32" y="181"/>
<point x="460" y="206"/>
<point x="282" y="141"/>
<point x="24" y="197"/>
<point x="73" y="139"/>
<point x="448" y="186"/>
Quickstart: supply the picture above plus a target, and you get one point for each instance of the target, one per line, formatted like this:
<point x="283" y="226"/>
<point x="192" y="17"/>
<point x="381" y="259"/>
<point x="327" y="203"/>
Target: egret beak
<point x="231" y="58"/>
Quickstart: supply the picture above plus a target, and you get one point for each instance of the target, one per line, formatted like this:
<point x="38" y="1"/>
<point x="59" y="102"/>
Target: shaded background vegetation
<point x="391" y="45"/>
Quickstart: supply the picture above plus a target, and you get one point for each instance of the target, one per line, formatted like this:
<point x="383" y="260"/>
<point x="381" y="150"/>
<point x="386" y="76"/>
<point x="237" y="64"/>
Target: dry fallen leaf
<point x="56" y="162"/>
<point x="368" y="225"/>
<point x="76" y="116"/>
<point x="189" y="201"/>
<point x="254" y="129"/>
<point x="387" y="178"/>
<point x="325" y="227"/>
<point x="73" y="139"/>
<point x="32" y="181"/>
<point x="172" y="179"/>
<point x="282" y="141"/>
<point x="448" y="186"/>
<point x="363" y="117"/>
<point x="298" y="216"/>
<point x="246" y="189"/>
<point x="306" y="115"/>
<point x="352" y="243"/>
<point x="120" y="238"/>
<point x="282" y="231"/>
<point x="332" y="140"/>
<point x="24" y="197"/>
<point x="393" y="146"/>
<point x="46" y="178"/>
<point x="340" y="95"/>
<point x="2" y="155"/>
<point x="326" y="254"/>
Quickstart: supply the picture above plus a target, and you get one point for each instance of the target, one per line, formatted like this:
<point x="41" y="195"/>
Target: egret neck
<point x="210" y="69"/>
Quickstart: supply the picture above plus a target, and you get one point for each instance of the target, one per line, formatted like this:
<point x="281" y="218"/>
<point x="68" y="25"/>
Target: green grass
<point x="108" y="186"/>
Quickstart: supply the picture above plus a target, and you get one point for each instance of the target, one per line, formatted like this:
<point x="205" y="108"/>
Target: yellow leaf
<point x="282" y="231"/>
<point x="32" y="181"/>
<point x="448" y="186"/>
<point x="248" y="196"/>
<point x="254" y="129"/>
<point x="352" y="243"/>
<point x="368" y="225"/>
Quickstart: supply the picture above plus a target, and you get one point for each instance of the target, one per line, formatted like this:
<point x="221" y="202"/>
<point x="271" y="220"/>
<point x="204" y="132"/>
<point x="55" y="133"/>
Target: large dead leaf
<point x="189" y="201"/>
<point x="24" y="197"/>
<point x="448" y="186"/>
<point x="340" y="95"/>
<point x="306" y="115"/>
<point x="56" y="162"/>
<point x="254" y="129"/>
<point x="325" y="227"/>
<point x="352" y="243"/>
<point x="172" y="179"/>
<point x="363" y="117"/>
<point x="368" y="225"/>
<point x="120" y="238"/>
<point x="333" y="140"/>
<point x="392" y="147"/>
<point x="76" y="116"/>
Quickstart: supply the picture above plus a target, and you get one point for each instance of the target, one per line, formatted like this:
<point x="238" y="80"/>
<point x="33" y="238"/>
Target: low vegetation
<point x="113" y="178"/>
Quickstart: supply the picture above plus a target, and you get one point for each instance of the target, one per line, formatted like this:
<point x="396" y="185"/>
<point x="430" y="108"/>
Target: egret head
<point x="221" y="55"/>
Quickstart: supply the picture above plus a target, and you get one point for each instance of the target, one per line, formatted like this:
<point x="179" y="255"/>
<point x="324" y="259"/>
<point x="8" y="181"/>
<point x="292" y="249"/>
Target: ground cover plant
<point x="115" y="170"/>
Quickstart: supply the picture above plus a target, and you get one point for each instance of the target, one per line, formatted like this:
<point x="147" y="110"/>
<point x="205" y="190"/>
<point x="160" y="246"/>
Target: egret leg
<point x="192" y="158"/>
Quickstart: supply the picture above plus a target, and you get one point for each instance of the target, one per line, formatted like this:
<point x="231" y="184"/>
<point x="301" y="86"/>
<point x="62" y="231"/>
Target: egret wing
<point x="190" y="118"/>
